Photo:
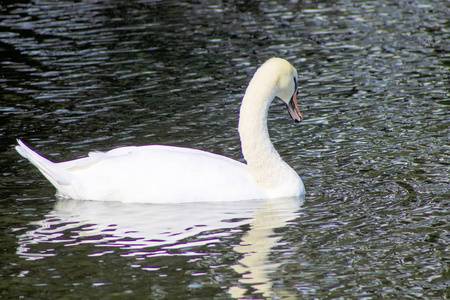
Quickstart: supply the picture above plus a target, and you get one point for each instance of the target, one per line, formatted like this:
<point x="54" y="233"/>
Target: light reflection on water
<point x="135" y="226"/>
<point x="372" y="150"/>
<point x="146" y="231"/>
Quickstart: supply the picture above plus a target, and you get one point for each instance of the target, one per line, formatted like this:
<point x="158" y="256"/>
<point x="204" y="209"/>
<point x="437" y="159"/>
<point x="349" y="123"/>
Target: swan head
<point x="287" y="87"/>
<point x="276" y="78"/>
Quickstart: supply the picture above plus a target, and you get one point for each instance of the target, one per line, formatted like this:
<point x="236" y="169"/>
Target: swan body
<point x="166" y="174"/>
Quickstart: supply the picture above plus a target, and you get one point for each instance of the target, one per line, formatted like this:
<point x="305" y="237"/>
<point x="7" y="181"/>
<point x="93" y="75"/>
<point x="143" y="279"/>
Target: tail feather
<point x="47" y="167"/>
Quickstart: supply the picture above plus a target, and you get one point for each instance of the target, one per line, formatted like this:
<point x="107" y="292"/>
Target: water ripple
<point x="373" y="149"/>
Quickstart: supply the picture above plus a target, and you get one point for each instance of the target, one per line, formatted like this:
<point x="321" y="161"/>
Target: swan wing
<point x="158" y="174"/>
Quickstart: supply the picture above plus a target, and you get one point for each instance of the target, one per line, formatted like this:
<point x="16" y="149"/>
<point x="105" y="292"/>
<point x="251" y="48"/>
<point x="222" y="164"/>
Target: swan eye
<point x="296" y="85"/>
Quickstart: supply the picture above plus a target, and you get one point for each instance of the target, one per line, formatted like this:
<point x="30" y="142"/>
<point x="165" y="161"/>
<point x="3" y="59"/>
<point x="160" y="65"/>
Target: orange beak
<point x="294" y="112"/>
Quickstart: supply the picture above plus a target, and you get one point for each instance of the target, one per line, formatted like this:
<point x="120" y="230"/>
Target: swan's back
<point x="169" y="174"/>
<point x="157" y="174"/>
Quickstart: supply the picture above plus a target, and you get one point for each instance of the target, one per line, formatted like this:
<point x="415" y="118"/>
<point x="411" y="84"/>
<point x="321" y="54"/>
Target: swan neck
<point x="253" y="119"/>
<point x="262" y="158"/>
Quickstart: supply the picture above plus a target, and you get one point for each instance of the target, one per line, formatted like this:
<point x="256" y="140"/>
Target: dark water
<point x="373" y="150"/>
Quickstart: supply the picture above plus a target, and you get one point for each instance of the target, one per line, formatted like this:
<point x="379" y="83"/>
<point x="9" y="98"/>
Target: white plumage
<point x="165" y="174"/>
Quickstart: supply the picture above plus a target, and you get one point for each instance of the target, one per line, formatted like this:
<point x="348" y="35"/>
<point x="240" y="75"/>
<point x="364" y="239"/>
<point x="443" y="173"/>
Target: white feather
<point x="165" y="174"/>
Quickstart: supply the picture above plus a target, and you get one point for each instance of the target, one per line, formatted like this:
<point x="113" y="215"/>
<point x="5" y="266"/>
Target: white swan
<point x="164" y="174"/>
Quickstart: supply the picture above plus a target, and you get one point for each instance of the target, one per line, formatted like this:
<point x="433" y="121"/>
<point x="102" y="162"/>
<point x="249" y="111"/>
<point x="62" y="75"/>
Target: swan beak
<point x="294" y="112"/>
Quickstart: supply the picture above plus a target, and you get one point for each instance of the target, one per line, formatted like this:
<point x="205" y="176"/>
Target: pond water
<point x="373" y="149"/>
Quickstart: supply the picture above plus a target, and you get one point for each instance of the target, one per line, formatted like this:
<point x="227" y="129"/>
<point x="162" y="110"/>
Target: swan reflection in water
<point x="154" y="229"/>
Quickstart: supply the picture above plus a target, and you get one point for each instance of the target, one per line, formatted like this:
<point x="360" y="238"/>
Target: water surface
<point x="373" y="150"/>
